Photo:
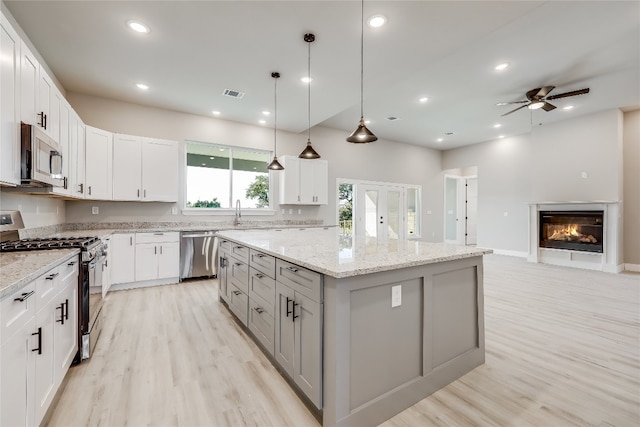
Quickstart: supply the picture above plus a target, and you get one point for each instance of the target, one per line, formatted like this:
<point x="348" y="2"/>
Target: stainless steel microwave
<point x="40" y="158"/>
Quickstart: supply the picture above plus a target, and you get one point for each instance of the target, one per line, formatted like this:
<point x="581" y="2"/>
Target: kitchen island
<point x="380" y="324"/>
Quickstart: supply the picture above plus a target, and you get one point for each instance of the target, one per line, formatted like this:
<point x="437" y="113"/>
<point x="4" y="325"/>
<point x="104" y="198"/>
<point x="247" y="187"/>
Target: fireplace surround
<point x="584" y="235"/>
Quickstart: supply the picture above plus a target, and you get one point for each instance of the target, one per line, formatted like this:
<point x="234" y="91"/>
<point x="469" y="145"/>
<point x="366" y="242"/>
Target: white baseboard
<point x="518" y="254"/>
<point x="632" y="267"/>
<point x="144" y="284"/>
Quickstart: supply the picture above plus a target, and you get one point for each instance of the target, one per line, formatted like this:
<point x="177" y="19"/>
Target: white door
<point x="454" y="210"/>
<point x="379" y="211"/>
<point x="472" y="211"/>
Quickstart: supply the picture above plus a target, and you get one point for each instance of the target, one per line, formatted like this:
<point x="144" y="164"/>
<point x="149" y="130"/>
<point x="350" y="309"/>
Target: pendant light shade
<point x="275" y="164"/>
<point x="362" y="134"/>
<point x="309" y="152"/>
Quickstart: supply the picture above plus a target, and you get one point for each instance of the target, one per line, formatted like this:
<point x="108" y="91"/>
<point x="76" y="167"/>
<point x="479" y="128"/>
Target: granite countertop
<point x="326" y="251"/>
<point x="20" y="268"/>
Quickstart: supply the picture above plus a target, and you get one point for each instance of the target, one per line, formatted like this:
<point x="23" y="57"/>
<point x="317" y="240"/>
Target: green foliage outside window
<point x="259" y="189"/>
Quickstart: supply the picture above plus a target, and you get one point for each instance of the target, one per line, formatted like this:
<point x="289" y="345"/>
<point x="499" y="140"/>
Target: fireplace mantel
<point x="610" y="260"/>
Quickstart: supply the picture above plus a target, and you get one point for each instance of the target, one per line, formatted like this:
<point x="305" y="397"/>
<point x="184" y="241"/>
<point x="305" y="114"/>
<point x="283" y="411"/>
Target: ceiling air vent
<point x="392" y="118"/>
<point x="233" y="93"/>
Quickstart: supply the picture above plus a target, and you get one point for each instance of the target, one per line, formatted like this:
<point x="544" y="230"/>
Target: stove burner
<point x="83" y="243"/>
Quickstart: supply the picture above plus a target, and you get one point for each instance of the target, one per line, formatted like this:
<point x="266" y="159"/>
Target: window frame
<point x="270" y="210"/>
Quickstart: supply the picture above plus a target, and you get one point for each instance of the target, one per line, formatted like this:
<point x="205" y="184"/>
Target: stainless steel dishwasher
<point x="198" y="252"/>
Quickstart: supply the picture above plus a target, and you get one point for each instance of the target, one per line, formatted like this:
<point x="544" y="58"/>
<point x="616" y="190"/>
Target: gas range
<point x="89" y="246"/>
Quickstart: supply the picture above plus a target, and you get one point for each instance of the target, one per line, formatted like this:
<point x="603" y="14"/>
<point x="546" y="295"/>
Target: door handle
<point x="294" y="310"/>
<point x="39" y="334"/>
<point x="61" y="320"/>
<point x="288" y="311"/>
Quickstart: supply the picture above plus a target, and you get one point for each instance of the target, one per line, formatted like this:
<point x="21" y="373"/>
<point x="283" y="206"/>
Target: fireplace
<point x="572" y="230"/>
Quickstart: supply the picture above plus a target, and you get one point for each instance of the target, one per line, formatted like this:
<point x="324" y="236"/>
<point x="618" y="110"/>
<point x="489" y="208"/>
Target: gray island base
<point x="399" y="319"/>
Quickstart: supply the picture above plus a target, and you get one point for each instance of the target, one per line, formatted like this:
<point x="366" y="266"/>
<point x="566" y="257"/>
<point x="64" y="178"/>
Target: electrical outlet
<point x="95" y="210"/>
<point x="428" y="212"/>
<point x="506" y="214"/>
<point x="584" y="175"/>
<point x="174" y="210"/>
<point x="396" y="296"/>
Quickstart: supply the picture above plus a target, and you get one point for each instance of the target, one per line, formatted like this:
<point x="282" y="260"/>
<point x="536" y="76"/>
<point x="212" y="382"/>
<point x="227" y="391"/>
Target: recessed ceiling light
<point x="306" y="79"/>
<point x="266" y="113"/>
<point x="423" y="99"/>
<point x="377" y="21"/>
<point x="142" y="86"/>
<point x="440" y="139"/>
<point x="138" y="27"/>
<point x="497" y="125"/>
<point x="212" y="158"/>
<point x="262" y="122"/>
<point x="222" y="149"/>
<point x="502" y="66"/>
<point x="215" y="113"/>
<point x="568" y="107"/>
<point x="501" y="136"/>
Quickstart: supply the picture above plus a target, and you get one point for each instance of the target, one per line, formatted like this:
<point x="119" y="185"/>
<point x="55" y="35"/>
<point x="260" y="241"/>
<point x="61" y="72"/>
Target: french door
<point x="379" y="211"/>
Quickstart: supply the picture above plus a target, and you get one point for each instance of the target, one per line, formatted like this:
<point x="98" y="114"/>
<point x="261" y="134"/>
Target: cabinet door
<point x="53" y="116"/>
<point x="307" y="367"/>
<point x="66" y="337"/>
<point x="44" y="359"/>
<point x="313" y="182"/>
<point x="17" y="380"/>
<point x="98" y="163"/>
<point x="29" y="86"/>
<point x="122" y="252"/>
<point x="127" y="167"/>
<point x="284" y="328"/>
<point x="9" y="104"/>
<point x="168" y="260"/>
<point x="289" y="180"/>
<point x="146" y="261"/>
<point x="223" y="263"/>
<point x="159" y="170"/>
<point x="67" y="159"/>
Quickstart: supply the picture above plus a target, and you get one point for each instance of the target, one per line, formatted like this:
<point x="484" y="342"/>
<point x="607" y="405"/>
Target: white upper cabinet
<point x="68" y="162"/>
<point x="76" y="162"/>
<point x="9" y="104"/>
<point x="303" y="181"/>
<point x="98" y="164"/>
<point x="29" y="86"/>
<point x="159" y="170"/>
<point x="127" y="167"/>
<point x="145" y="169"/>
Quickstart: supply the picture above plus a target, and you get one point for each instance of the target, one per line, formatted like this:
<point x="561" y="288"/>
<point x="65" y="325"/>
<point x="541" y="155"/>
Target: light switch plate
<point x="95" y="210"/>
<point x="396" y="296"/>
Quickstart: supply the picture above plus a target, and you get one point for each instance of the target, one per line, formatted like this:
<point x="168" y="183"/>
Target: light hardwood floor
<point x="562" y="349"/>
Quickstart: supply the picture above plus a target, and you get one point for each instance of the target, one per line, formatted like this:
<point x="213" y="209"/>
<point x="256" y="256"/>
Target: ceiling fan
<point x="537" y="98"/>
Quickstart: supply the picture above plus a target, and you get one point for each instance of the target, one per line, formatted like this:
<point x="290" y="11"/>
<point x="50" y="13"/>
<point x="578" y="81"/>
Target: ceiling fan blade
<point x="509" y="103"/>
<point x="513" y="111"/>
<point x="548" y="107"/>
<point x="539" y="92"/>
<point x="567" y="94"/>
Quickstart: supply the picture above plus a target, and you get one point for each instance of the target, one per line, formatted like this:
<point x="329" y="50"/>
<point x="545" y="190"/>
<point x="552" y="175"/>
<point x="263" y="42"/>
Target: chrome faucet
<point x="236" y="221"/>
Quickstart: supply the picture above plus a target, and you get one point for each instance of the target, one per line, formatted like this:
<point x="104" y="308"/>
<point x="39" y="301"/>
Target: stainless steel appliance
<point x="92" y="257"/>
<point x="198" y="252"/>
<point x="40" y="159"/>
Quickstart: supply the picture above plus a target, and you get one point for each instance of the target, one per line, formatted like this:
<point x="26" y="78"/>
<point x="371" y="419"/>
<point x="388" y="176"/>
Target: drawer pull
<point x="239" y="247"/>
<point x="288" y="311"/>
<point x="158" y="234"/>
<point x="24" y="296"/>
<point x="259" y="276"/>
<point x="259" y="310"/>
<point x="260" y="255"/>
<point x="72" y="263"/>
<point x="294" y="310"/>
<point x="39" y="334"/>
<point x="52" y="276"/>
<point x="236" y="293"/>
<point x="238" y="264"/>
<point x="292" y="269"/>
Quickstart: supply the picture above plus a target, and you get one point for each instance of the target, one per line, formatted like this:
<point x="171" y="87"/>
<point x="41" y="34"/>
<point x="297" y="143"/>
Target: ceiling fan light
<point x="362" y="134"/>
<point x="536" y="105"/>
<point x="309" y="152"/>
<point x="275" y="165"/>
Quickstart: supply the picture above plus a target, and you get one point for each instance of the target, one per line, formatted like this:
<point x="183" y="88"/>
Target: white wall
<point x="380" y="161"/>
<point x="37" y="211"/>
<point x="631" y="207"/>
<point x="545" y="165"/>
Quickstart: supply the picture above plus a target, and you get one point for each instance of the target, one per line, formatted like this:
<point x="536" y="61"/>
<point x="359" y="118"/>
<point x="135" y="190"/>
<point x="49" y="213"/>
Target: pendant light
<point x="309" y="152"/>
<point x="275" y="164"/>
<point x="361" y="134"/>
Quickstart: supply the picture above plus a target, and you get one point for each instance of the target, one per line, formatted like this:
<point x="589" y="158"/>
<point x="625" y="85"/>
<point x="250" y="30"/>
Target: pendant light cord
<point x="362" y="59"/>
<point x="275" y="115"/>
<point x="309" y="88"/>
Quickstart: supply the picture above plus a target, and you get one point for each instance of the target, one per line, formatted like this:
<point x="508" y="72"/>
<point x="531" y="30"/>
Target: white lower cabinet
<point x="122" y="253"/>
<point x="157" y="256"/>
<point x="39" y="341"/>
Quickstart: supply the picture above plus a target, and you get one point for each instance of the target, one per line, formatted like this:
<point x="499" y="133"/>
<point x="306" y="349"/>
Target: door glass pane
<point x="451" y="215"/>
<point x="371" y="213"/>
<point x="250" y="179"/>
<point x="413" y="220"/>
<point x="393" y="215"/>
<point x="345" y="209"/>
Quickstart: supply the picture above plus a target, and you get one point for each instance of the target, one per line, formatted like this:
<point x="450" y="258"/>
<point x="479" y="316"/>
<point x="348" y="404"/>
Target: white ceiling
<point x="445" y="50"/>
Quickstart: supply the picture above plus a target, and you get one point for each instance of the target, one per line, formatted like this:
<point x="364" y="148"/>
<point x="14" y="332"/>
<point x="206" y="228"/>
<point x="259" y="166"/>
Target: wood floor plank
<point x="562" y="349"/>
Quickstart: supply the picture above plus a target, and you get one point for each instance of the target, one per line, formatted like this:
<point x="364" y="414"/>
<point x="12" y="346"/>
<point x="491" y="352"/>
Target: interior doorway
<point x="460" y="209"/>
<point x="379" y="211"/>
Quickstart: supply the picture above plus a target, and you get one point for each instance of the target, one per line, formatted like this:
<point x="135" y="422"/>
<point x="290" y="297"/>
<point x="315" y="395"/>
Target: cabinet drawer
<point x="307" y="282"/>
<point x="16" y="310"/>
<point x="225" y="244"/>
<point x="263" y="263"/>
<point x="261" y="323"/>
<point x="69" y="270"/>
<point x="262" y="286"/>
<point x="171" y="236"/>
<point x="238" y="275"/>
<point x="239" y="252"/>
<point x="48" y="285"/>
<point x="238" y="303"/>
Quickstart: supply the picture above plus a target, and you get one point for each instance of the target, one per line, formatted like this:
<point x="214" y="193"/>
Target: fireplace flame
<point x="570" y="233"/>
